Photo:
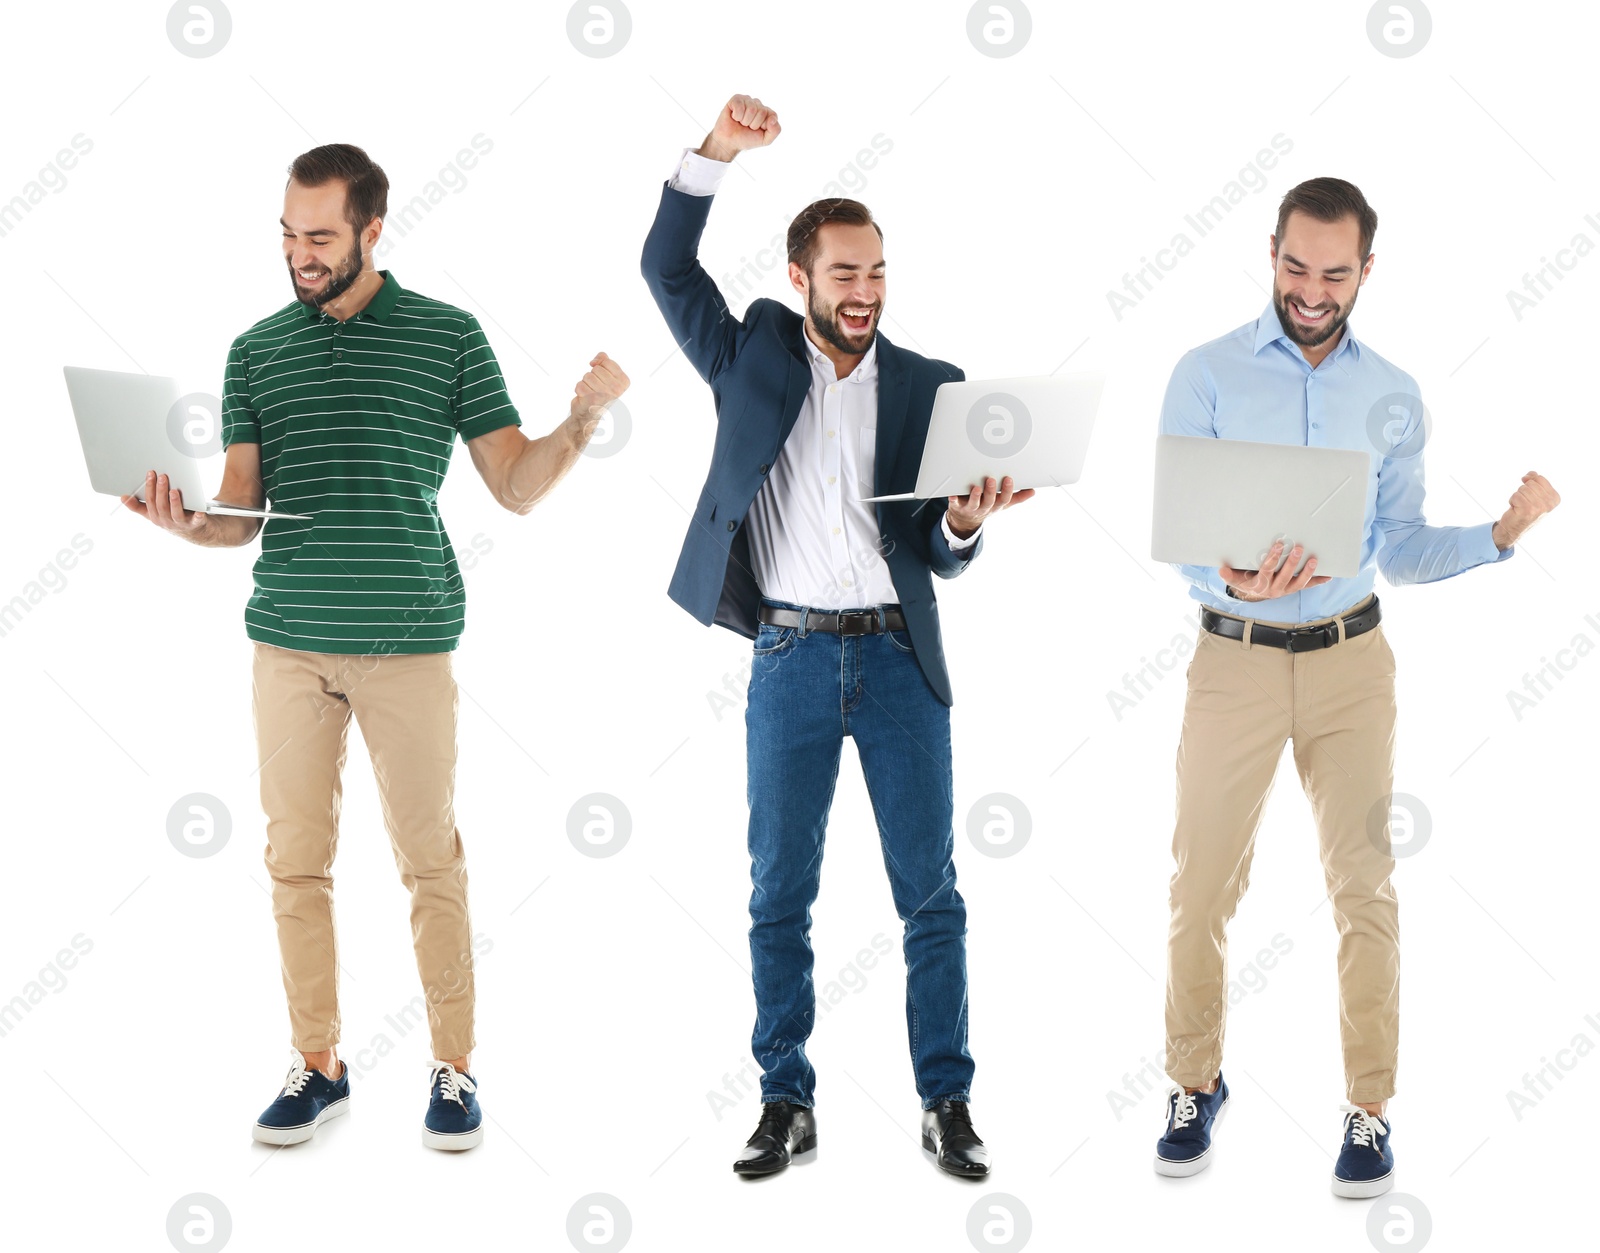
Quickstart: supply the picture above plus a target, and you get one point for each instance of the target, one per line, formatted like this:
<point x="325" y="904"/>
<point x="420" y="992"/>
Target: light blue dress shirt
<point x="1254" y="384"/>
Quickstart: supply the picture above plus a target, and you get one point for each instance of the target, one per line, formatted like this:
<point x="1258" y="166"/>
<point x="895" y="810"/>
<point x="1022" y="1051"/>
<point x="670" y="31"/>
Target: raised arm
<point x="1415" y="552"/>
<point x="695" y="310"/>
<point x="519" y="471"/>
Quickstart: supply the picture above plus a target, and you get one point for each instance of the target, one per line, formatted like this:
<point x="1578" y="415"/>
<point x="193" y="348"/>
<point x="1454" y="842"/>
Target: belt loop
<point x="1249" y="625"/>
<point x="1340" y="621"/>
<point x="883" y="621"/>
<point x="805" y="613"/>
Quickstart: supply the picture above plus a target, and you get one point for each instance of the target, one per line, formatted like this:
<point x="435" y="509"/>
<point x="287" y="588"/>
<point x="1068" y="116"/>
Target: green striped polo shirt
<point x="356" y="422"/>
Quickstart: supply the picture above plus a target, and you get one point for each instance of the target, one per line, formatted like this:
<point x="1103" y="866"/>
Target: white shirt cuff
<point x="697" y="175"/>
<point x="958" y="545"/>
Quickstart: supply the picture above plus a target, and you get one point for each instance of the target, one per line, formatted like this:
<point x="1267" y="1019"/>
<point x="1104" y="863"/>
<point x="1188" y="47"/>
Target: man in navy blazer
<point x="815" y="414"/>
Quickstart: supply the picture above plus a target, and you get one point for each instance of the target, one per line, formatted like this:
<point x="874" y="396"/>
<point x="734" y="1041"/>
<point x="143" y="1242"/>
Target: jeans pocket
<point x="901" y="640"/>
<point x="772" y="639"/>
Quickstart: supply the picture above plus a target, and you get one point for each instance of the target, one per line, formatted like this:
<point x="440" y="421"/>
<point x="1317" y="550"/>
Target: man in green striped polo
<point x="345" y="405"/>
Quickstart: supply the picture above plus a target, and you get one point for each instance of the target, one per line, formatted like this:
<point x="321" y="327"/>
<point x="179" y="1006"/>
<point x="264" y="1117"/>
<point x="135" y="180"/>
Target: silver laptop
<point x="126" y="426"/>
<point x="1228" y="500"/>
<point x="1034" y="429"/>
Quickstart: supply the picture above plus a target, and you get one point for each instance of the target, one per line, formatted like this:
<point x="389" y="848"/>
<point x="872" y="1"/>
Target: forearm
<point x="1417" y="553"/>
<point x="949" y="559"/>
<point x="223" y="530"/>
<point x="543" y="463"/>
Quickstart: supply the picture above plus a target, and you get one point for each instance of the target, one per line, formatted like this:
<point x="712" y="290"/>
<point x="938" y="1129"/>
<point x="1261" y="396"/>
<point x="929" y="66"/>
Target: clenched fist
<point x="595" y="391"/>
<point x="744" y="123"/>
<point x="1531" y="501"/>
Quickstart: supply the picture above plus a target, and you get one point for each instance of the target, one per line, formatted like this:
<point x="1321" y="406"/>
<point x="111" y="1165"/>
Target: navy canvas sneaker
<point x="1191" y="1118"/>
<point x="454" y="1119"/>
<point x="1366" y="1163"/>
<point x="308" y="1099"/>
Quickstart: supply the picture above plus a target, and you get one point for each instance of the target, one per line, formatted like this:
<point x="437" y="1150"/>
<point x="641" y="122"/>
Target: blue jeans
<point x="808" y="690"/>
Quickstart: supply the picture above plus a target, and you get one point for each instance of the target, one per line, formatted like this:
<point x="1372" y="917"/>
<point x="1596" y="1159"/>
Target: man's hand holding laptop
<point x="241" y="485"/>
<point x="966" y="513"/>
<point x="1276" y="577"/>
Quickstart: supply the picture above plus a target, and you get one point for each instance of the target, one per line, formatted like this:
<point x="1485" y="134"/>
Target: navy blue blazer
<point x="759" y="374"/>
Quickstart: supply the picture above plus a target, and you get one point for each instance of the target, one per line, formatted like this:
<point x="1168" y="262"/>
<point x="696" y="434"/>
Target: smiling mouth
<point x="1310" y="317"/>
<point x="856" y="317"/>
<point x="310" y="278"/>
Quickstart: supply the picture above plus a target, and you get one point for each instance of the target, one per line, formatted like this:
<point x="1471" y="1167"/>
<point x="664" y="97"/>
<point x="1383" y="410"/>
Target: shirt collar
<point x="1270" y="329"/>
<point x="866" y="368"/>
<point x="380" y="306"/>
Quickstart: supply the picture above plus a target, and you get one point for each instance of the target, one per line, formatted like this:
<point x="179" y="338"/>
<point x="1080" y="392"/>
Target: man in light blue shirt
<point x="1288" y="655"/>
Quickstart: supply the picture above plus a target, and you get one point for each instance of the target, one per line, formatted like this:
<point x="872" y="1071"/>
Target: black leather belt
<point x="850" y="622"/>
<point x="1294" y="639"/>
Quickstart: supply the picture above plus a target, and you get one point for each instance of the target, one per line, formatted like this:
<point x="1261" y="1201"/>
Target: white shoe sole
<point x="452" y="1143"/>
<point x="1182" y="1170"/>
<point x="1361" y="1189"/>
<point x="295" y="1135"/>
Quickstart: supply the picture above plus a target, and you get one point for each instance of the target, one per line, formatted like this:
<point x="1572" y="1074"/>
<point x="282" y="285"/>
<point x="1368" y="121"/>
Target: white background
<point x="615" y="998"/>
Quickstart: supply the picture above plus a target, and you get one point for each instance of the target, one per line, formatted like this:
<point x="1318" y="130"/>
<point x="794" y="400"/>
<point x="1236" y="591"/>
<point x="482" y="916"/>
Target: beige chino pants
<point x="1336" y="705"/>
<point x="406" y="706"/>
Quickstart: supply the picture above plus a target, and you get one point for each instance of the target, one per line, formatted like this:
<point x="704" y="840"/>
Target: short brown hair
<point x="366" y="186"/>
<point x="803" y="246"/>
<point x="1330" y="200"/>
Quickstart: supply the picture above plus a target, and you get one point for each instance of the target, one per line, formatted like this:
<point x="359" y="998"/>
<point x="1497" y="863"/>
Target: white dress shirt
<point x="812" y="540"/>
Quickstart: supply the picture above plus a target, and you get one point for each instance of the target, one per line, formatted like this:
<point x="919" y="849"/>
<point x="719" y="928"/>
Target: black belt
<point x="850" y="622"/>
<point x="1295" y="639"/>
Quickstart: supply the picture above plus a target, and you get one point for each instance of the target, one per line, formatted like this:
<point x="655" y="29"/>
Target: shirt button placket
<point x="833" y="416"/>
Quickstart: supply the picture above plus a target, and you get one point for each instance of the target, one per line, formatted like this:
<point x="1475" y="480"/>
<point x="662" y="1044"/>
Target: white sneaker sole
<point x="1182" y="1170"/>
<point x="452" y="1143"/>
<point x="295" y="1135"/>
<point x="1361" y="1189"/>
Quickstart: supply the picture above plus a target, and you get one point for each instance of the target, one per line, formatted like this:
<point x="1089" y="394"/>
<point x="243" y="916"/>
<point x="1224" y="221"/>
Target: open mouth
<point x="310" y="278"/>
<point x="855" y="317"/>
<point x="1308" y="317"/>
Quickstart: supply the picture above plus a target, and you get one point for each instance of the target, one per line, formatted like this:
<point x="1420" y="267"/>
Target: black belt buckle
<point x="865" y="622"/>
<point x="1309" y="639"/>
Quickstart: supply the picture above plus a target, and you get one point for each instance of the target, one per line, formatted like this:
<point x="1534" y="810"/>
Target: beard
<point x="341" y="277"/>
<point x="1311" y="336"/>
<point x="831" y="329"/>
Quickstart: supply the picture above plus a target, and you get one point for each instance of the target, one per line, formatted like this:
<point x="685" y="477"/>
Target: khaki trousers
<point x="406" y="707"/>
<point x="1336" y="705"/>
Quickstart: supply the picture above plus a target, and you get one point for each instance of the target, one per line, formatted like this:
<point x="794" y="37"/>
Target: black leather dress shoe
<point x="947" y="1131"/>
<point x="784" y="1129"/>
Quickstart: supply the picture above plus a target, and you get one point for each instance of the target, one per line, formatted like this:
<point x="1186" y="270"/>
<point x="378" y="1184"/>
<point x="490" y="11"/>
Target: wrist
<point x="579" y="428"/>
<point x="1501" y="534"/>
<point x="713" y="151"/>
<point x="956" y="528"/>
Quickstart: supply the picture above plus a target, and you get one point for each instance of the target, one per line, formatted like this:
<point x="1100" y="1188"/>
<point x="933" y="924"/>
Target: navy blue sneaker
<point x="308" y="1099"/>
<point x="1191" y="1118"/>
<point x="1366" y="1163"/>
<point x="454" y="1119"/>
